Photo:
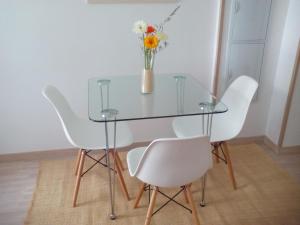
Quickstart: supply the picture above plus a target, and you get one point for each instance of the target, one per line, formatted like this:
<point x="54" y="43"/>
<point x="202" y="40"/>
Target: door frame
<point x="217" y="63"/>
<point x="288" y="103"/>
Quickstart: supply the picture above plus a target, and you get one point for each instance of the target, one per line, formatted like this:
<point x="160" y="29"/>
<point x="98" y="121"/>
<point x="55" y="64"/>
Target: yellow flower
<point x="151" y="41"/>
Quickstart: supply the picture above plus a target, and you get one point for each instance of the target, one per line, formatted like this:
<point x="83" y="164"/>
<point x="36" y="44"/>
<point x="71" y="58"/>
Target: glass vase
<point x="147" y="73"/>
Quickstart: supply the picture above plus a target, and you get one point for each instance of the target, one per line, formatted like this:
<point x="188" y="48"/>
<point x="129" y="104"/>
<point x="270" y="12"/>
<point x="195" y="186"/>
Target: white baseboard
<point x="53" y="154"/>
<point x="71" y="152"/>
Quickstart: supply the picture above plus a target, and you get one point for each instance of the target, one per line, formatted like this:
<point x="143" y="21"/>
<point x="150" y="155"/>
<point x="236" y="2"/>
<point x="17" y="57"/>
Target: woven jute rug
<point x="266" y="195"/>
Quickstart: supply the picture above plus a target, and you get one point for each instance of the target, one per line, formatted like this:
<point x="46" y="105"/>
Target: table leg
<point x="202" y="203"/>
<point x="210" y="125"/>
<point x="111" y="184"/>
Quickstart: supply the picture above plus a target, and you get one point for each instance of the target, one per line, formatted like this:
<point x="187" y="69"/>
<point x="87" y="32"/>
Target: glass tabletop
<point x="119" y="98"/>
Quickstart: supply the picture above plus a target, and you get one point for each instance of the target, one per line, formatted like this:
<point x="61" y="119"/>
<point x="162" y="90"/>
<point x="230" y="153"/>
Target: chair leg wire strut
<point x="185" y="189"/>
<point x="97" y="161"/>
<point x="215" y="151"/>
<point x="149" y="188"/>
<point x="79" y="169"/>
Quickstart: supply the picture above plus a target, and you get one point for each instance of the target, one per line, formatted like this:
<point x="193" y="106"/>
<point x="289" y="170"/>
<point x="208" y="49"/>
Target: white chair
<point x="87" y="136"/>
<point x="170" y="162"/>
<point x="225" y="126"/>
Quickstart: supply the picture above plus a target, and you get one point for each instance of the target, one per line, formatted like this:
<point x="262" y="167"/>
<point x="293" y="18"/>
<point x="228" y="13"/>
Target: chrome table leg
<point x="202" y="203"/>
<point x="112" y="215"/>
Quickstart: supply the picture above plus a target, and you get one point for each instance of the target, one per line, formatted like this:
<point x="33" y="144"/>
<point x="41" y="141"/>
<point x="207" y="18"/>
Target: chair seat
<point x="133" y="159"/>
<point x="188" y="126"/>
<point x="91" y="135"/>
<point x="191" y="126"/>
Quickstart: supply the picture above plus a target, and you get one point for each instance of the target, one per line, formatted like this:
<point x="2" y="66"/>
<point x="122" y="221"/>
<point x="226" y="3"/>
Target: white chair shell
<point x="171" y="162"/>
<point x="83" y="133"/>
<point x="225" y="126"/>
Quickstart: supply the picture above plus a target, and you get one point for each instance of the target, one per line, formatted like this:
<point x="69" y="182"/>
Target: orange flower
<point x="151" y="41"/>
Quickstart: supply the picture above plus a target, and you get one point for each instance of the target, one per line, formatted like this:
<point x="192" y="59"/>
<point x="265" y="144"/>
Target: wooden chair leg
<point x="78" y="179"/>
<point x="139" y="196"/>
<point x="217" y="154"/>
<point x="186" y="196"/>
<point x="151" y="206"/>
<point x="229" y="165"/>
<point x="77" y="161"/>
<point x="119" y="161"/>
<point x="121" y="179"/>
<point x="193" y="205"/>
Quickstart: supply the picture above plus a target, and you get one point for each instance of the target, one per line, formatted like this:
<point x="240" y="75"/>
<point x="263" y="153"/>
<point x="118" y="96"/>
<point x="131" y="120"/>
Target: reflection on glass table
<point x="173" y="95"/>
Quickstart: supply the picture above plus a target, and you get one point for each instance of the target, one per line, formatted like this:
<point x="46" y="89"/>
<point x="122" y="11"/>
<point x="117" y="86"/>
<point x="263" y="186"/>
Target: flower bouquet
<point x="153" y="39"/>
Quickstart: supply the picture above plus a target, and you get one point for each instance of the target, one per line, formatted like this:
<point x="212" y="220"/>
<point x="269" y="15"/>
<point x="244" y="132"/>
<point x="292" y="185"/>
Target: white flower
<point x="162" y="36"/>
<point x="139" y="27"/>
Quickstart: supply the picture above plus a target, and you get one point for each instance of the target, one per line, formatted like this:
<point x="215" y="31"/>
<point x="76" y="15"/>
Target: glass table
<point x="119" y="98"/>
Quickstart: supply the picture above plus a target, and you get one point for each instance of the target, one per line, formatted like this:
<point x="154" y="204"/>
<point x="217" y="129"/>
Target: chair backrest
<point x="237" y="98"/>
<point x="174" y="162"/>
<point x="66" y="115"/>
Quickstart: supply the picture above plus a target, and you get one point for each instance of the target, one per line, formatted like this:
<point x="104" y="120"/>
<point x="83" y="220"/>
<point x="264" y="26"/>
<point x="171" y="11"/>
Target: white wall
<point x="291" y="35"/>
<point x="258" y="114"/>
<point x="292" y="133"/>
<point x="65" y="42"/>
